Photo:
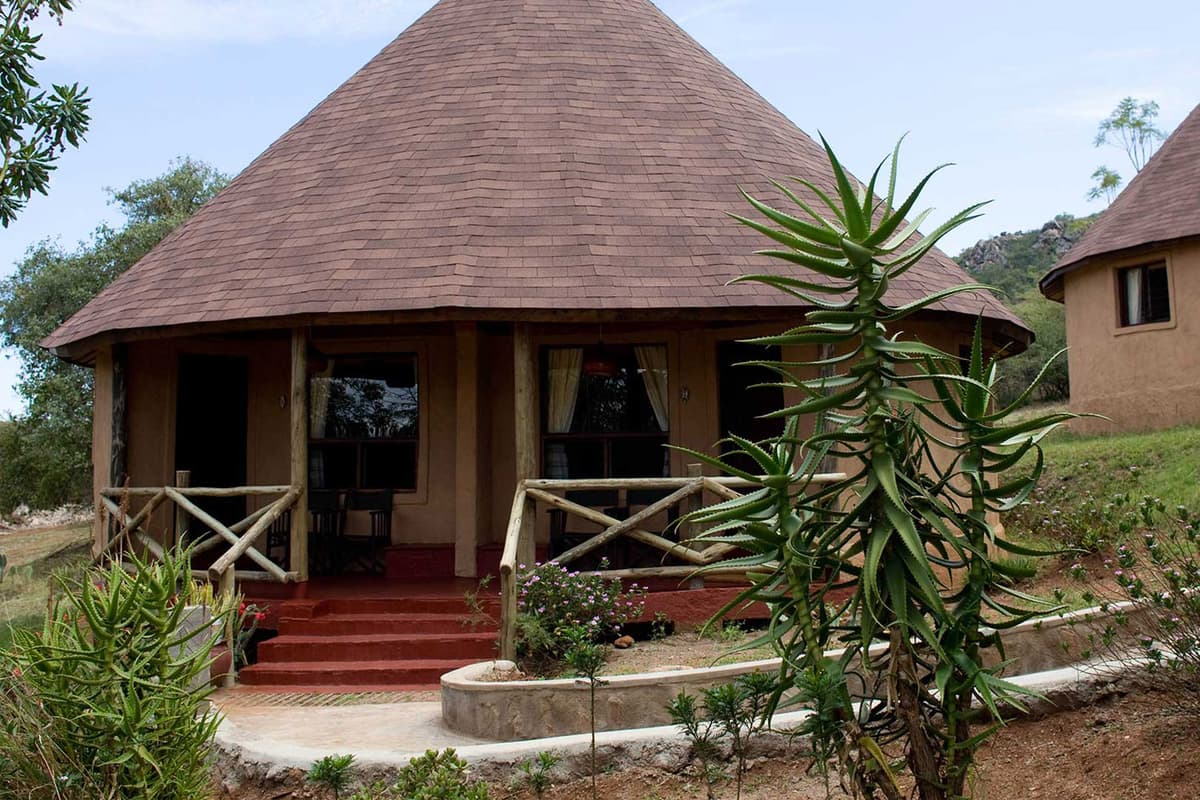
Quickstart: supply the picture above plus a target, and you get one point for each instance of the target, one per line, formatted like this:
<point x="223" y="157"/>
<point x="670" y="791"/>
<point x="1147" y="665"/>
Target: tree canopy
<point x="36" y="125"/>
<point x="1130" y="127"/>
<point x="44" y="454"/>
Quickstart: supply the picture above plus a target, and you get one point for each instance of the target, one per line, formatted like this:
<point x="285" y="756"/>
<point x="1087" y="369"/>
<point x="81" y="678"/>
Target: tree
<point x="44" y="453"/>
<point x="1130" y="127"/>
<point x="1047" y="320"/>
<point x="905" y="537"/>
<point x="1107" y="184"/>
<point x="36" y="126"/>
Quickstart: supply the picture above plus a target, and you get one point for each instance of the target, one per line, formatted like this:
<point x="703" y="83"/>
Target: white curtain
<point x="1133" y="296"/>
<point x="652" y="363"/>
<point x="566" y="367"/>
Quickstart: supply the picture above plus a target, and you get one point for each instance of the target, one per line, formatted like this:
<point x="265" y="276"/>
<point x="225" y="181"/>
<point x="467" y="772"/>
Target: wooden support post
<point x="299" y="455"/>
<point x="183" y="479"/>
<point x="227" y="591"/>
<point x="694" y="504"/>
<point x="525" y="429"/>
<point x="118" y="467"/>
<point x="466" y="450"/>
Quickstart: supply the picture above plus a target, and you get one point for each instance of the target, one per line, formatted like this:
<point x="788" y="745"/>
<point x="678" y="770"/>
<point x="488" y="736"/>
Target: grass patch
<point x="1073" y="506"/>
<point x="34" y="556"/>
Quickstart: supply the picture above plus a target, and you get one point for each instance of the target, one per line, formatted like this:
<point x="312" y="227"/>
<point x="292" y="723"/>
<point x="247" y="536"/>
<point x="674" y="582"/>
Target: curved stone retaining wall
<point x="477" y="701"/>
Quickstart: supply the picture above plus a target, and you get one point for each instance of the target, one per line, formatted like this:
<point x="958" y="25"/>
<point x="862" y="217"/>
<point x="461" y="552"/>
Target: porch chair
<point x="326" y="514"/>
<point x="368" y="547"/>
<point x="279" y="538"/>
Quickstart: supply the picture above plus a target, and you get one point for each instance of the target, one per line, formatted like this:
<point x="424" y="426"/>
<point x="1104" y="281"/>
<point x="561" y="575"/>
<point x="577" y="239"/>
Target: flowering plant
<point x="553" y="600"/>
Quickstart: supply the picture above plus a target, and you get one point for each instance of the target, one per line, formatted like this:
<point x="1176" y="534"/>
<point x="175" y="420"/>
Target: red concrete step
<point x="405" y="605"/>
<point x="338" y="624"/>
<point x="409" y="672"/>
<point x="377" y="647"/>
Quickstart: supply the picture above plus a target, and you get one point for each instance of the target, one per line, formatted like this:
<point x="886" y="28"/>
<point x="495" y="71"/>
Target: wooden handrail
<point x="246" y="542"/>
<point x="508" y="575"/>
<point x="626" y="525"/>
<point x="540" y="490"/>
<point x="196" y="491"/>
<point x="240" y="536"/>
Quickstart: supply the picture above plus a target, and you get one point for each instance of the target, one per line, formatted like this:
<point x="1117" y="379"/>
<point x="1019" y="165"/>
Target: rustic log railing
<point x="519" y="546"/>
<point x="123" y="531"/>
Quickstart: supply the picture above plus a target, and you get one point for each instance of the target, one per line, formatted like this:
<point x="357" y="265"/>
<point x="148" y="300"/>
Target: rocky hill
<point x="1013" y="262"/>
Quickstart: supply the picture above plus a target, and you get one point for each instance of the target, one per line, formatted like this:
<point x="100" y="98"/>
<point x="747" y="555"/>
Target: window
<point x="1145" y="295"/>
<point x="605" y="411"/>
<point x="363" y="423"/>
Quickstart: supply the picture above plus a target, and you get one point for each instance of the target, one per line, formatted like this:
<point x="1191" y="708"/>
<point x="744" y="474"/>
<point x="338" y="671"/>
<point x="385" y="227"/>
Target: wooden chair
<point x="368" y="547"/>
<point x="326" y="515"/>
<point x="279" y="538"/>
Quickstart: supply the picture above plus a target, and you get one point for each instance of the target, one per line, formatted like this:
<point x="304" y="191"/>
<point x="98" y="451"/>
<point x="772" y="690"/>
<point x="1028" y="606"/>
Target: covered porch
<point x="276" y="452"/>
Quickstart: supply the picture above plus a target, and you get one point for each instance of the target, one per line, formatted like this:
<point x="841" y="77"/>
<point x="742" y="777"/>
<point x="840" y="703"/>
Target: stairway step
<point x="374" y="646"/>
<point x="411" y="672"/>
<point x="382" y="623"/>
<point x="406" y="605"/>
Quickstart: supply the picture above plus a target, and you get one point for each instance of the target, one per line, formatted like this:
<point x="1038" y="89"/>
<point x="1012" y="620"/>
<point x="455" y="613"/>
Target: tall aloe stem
<point x="899" y="512"/>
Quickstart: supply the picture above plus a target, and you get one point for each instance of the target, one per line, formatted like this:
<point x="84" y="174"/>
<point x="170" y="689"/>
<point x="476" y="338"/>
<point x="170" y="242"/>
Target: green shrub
<point x="1157" y="573"/>
<point x="736" y="710"/>
<point x="536" y="773"/>
<point x="106" y="699"/>
<point x="553" y="602"/>
<point x="332" y="772"/>
<point x="433" y="776"/>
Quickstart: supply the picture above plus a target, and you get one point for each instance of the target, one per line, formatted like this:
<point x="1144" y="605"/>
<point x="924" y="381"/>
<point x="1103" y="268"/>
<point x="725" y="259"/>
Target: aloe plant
<point x="906" y="537"/>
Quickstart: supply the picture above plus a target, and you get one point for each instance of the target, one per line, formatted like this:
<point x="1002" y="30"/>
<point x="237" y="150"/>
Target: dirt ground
<point x="1125" y="748"/>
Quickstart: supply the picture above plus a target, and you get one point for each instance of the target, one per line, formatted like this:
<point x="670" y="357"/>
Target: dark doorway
<point x="742" y="401"/>
<point x="210" y="429"/>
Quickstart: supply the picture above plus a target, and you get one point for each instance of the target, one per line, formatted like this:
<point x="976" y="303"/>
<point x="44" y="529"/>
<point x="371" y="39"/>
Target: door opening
<point x="210" y="429"/>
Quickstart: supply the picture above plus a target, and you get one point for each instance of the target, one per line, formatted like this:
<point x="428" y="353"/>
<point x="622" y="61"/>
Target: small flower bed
<point x="553" y="601"/>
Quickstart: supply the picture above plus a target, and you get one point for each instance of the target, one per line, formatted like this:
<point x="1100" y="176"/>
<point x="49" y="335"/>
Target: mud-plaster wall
<point x="1144" y="377"/>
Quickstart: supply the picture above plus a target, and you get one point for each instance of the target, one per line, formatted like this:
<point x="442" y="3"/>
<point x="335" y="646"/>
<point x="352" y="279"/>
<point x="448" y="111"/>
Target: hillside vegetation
<point x="1072" y="506"/>
<point x="1013" y="263"/>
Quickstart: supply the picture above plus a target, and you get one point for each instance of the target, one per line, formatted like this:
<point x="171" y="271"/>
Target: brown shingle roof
<point x="1161" y="204"/>
<point x="500" y="156"/>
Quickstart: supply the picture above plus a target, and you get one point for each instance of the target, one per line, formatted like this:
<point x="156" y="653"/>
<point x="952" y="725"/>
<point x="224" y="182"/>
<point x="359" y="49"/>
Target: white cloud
<point x="240" y="21"/>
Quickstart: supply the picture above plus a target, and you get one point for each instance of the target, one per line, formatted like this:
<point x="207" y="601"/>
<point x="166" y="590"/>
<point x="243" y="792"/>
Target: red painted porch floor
<point x="370" y="634"/>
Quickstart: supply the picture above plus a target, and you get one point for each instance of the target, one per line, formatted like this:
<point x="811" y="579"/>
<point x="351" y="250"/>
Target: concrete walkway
<point x="268" y="740"/>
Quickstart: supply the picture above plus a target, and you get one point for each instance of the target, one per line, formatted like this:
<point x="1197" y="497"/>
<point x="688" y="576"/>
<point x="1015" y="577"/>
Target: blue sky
<point x="1010" y="91"/>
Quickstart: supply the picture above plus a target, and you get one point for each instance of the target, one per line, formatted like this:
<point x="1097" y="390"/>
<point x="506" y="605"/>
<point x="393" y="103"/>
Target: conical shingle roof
<point x="500" y="157"/>
<point x="1161" y="204"/>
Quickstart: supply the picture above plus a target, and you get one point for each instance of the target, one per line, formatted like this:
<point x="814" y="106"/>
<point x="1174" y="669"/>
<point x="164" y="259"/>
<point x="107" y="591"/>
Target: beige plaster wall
<point x="1144" y="377"/>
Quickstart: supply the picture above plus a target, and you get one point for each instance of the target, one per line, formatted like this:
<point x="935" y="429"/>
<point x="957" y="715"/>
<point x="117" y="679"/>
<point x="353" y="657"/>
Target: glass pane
<point x="1158" y="298"/>
<point x="389" y="466"/>
<point x="612" y="394"/>
<point x="365" y="398"/>
<point x="639" y="458"/>
<point x="574" y="459"/>
<point x="331" y="466"/>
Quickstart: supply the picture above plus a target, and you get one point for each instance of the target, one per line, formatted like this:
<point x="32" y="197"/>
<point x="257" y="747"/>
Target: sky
<point x="1011" y="92"/>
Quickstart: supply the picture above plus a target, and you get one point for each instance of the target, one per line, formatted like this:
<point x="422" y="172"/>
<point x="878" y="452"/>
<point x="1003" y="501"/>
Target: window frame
<point x="1119" y="271"/>
<point x="604" y="440"/>
<point x="359" y="444"/>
